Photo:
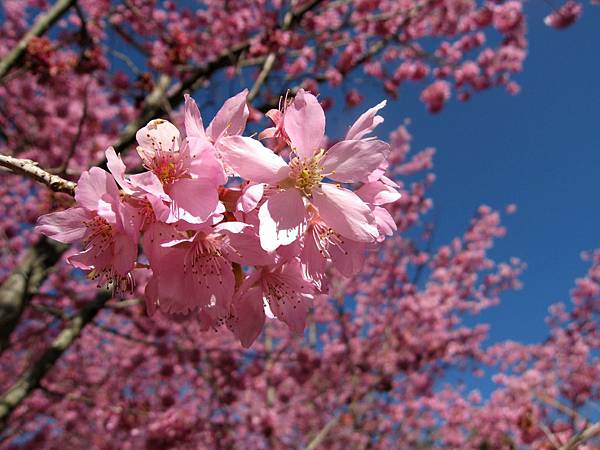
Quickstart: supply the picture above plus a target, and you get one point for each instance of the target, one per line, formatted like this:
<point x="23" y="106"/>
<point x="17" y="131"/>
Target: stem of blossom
<point x="31" y="169"/>
<point x="31" y="379"/>
<point x="42" y="24"/>
<point x="21" y="285"/>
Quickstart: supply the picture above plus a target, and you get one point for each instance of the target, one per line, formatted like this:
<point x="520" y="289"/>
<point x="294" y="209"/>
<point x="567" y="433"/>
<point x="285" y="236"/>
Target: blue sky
<point x="539" y="149"/>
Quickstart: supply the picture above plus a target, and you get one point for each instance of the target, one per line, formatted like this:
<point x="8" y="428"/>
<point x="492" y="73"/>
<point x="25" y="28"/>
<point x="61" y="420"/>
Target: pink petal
<point x="97" y="191"/>
<point x="291" y="307"/>
<point x="385" y="221"/>
<point x="378" y="193"/>
<point x="207" y="166"/>
<point x="193" y="119"/>
<point x="195" y="200"/>
<point x="313" y="260"/>
<point x="251" y="195"/>
<point x="366" y="123"/>
<point x="151" y="295"/>
<point x="348" y="259"/>
<point x="64" y="226"/>
<point x="210" y="284"/>
<point x="117" y="168"/>
<point x="124" y="254"/>
<point x="345" y="212"/>
<point x="282" y="219"/>
<point x="252" y="160"/>
<point x="304" y="123"/>
<point x="248" y="251"/>
<point x="352" y="161"/>
<point x="231" y="118"/>
<point x="159" y="134"/>
<point x="248" y="316"/>
<point x="148" y="182"/>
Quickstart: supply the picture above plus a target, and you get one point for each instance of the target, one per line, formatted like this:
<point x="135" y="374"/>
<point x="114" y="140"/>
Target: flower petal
<point x="117" y="169"/>
<point x="304" y="123"/>
<point x="352" y="161"/>
<point x="248" y="316"/>
<point x="194" y="200"/>
<point x="231" y="118"/>
<point x="251" y="195"/>
<point x="378" y="193"/>
<point x="385" y="221"/>
<point x="252" y="160"/>
<point x="345" y="212"/>
<point x="193" y="120"/>
<point x="366" y="123"/>
<point x="97" y="191"/>
<point x="159" y="134"/>
<point x="64" y="226"/>
<point x="282" y="219"/>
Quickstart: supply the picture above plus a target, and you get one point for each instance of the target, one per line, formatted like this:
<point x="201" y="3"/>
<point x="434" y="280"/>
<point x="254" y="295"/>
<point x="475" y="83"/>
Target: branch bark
<point x="21" y="285"/>
<point x="31" y="169"/>
<point x="42" y="24"/>
<point x="30" y="380"/>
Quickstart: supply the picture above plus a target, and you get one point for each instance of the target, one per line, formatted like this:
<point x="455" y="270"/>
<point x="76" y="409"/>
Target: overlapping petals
<point x="232" y="231"/>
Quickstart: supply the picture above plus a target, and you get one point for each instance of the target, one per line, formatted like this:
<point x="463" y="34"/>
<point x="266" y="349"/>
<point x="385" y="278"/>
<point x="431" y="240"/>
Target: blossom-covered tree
<point x="258" y="230"/>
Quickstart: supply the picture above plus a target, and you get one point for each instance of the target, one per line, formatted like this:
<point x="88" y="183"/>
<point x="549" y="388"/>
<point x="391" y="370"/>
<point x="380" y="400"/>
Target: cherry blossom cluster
<point x="231" y="229"/>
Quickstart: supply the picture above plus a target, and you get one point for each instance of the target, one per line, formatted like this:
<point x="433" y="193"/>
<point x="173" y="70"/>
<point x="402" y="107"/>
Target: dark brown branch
<point x="42" y="24"/>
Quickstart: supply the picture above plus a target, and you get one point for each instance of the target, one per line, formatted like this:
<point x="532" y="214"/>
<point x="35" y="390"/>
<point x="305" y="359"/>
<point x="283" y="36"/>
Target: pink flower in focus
<point x="106" y="226"/>
<point x="278" y="292"/>
<point x="299" y="183"/>
<point x="190" y="180"/>
<point x="196" y="273"/>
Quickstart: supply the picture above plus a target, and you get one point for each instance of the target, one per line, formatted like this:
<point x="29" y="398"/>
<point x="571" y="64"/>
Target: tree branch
<point x="585" y="435"/>
<point x="21" y="285"/>
<point x="31" y="169"/>
<point x="154" y="103"/>
<point x="30" y="380"/>
<point x="42" y="24"/>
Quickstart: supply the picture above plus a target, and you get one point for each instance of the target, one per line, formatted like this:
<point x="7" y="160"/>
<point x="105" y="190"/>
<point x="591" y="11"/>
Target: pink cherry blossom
<point x="299" y="184"/>
<point x="104" y="224"/>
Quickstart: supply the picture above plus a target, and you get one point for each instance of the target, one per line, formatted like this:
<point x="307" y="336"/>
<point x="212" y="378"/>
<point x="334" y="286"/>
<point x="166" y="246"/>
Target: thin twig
<point x="62" y="171"/>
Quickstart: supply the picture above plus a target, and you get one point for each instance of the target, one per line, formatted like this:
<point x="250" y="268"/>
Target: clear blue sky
<point x="539" y="149"/>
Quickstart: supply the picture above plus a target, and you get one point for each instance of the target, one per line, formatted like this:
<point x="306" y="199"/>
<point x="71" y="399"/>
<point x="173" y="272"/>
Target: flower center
<point x="167" y="166"/>
<point x="100" y="233"/>
<point x="99" y="243"/>
<point x="306" y="173"/>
